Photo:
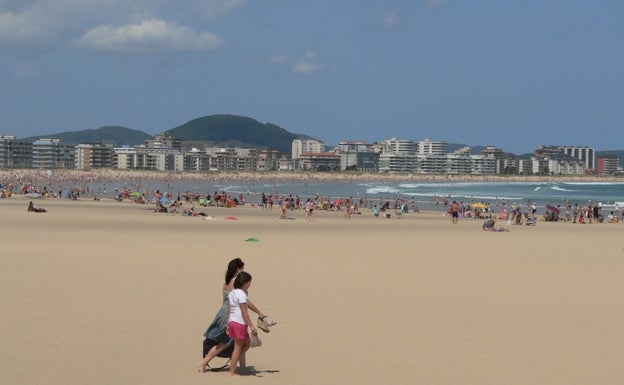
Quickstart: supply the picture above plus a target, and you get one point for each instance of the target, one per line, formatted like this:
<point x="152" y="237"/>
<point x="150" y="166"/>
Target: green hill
<point x="115" y="135"/>
<point x="233" y="130"/>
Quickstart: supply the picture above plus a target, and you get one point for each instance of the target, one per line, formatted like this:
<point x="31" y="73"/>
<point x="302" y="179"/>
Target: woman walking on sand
<point x="217" y="331"/>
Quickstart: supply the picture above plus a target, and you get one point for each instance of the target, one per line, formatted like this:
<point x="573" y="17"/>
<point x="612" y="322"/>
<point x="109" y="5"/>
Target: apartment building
<point x="15" y="153"/>
<point x="300" y="146"/>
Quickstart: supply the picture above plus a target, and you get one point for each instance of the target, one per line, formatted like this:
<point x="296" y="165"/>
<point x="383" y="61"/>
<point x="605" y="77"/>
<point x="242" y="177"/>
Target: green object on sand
<point x="252" y="240"/>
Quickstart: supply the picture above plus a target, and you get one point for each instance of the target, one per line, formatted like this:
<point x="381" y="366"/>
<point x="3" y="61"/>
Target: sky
<point x="512" y="74"/>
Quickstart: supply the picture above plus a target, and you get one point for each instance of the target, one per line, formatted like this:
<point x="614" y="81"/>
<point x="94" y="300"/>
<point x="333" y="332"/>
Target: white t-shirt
<point x="235" y="298"/>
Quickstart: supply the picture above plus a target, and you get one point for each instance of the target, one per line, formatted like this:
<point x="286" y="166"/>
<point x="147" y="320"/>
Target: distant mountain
<point x="224" y="130"/>
<point x="115" y="135"/>
<point x="233" y="130"/>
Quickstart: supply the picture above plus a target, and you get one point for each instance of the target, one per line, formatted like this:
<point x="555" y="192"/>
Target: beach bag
<point x="208" y="344"/>
<point x="255" y="341"/>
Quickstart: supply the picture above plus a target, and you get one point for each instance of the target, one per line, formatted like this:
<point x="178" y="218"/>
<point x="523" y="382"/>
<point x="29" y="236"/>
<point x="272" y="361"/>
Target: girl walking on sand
<point x="239" y="321"/>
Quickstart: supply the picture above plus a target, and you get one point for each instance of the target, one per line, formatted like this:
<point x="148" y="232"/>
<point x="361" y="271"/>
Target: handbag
<point x="255" y="341"/>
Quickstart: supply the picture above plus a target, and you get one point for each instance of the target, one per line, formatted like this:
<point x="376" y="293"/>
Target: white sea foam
<point x="557" y="188"/>
<point x="594" y="183"/>
<point x="487" y="198"/>
<point x="383" y="190"/>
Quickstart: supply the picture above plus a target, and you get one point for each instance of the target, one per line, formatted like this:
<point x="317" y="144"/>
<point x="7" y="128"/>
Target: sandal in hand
<point x="264" y="323"/>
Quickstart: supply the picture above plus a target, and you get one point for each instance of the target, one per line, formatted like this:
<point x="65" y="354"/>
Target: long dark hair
<point x="233" y="267"/>
<point x="241" y="279"/>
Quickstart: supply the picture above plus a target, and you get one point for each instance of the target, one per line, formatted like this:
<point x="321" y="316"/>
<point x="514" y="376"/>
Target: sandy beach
<point x="106" y="292"/>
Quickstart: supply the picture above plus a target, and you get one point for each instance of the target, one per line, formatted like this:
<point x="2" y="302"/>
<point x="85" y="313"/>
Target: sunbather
<point x="33" y="209"/>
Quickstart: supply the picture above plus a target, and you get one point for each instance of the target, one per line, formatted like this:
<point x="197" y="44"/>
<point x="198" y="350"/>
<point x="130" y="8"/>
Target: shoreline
<point x="89" y="176"/>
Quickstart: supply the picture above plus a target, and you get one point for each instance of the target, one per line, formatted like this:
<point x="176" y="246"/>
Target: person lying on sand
<point x="33" y="209"/>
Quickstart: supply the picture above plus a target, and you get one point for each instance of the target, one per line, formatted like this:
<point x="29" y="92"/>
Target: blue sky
<point x="514" y="74"/>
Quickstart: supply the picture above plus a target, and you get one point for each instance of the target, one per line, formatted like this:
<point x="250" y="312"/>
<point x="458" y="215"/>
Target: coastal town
<point x="389" y="156"/>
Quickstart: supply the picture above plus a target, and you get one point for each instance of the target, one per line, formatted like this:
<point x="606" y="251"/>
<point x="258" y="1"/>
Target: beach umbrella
<point x="135" y="194"/>
<point x="552" y="208"/>
<point x="478" y="205"/>
<point x="164" y="200"/>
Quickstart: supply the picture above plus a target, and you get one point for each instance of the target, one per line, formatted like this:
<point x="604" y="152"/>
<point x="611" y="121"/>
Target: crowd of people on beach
<point x="75" y="184"/>
<point x="517" y="214"/>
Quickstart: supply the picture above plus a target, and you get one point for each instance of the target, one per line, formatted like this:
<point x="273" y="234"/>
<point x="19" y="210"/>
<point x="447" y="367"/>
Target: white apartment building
<point x="398" y="155"/>
<point x="90" y="156"/>
<point x="142" y="158"/>
<point x="399" y="146"/>
<point x="51" y="154"/>
<point x="300" y="146"/>
<point x="431" y="147"/>
<point x="586" y="154"/>
<point x="357" y="153"/>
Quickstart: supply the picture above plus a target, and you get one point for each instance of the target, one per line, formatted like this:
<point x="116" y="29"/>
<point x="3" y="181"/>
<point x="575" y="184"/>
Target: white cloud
<point x="31" y="27"/>
<point x="149" y="36"/>
<point x="307" y="65"/>
<point x="31" y="30"/>
<point x="278" y="59"/>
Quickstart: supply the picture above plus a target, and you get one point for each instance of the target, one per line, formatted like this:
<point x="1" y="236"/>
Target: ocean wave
<point x="557" y="188"/>
<point x="469" y="197"/>
<point x="595" y="183"/>
<point x="464" y="184"/>
<point x="382" y="190"/>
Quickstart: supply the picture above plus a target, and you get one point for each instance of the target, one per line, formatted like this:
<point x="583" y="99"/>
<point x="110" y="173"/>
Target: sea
<point x="426" y="195"/>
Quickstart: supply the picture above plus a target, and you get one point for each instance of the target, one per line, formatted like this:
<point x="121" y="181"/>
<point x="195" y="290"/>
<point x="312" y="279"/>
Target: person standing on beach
<point x="264" y="201"/>
<point x="347" y="209"/>
<point x="283" y="202"/>
<point x="309" y="208"/>
<point x="239" y="321"/>
<point x="454" y="212"/>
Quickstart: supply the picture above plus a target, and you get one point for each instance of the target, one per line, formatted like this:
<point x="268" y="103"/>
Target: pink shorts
<point x="238" y="331"/>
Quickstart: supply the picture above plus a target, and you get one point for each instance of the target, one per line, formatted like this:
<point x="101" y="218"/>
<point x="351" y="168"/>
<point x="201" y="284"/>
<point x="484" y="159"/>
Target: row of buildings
<point x="393" y="155"/>
<point x="432" y="157"/>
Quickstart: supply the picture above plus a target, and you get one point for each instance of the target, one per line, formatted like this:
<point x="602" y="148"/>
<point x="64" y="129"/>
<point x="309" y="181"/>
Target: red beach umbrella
<point x="552" y="208"/>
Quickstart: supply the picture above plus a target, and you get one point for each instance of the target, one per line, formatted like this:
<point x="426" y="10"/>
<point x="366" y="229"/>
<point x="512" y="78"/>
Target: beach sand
<point x="106" y="292"/>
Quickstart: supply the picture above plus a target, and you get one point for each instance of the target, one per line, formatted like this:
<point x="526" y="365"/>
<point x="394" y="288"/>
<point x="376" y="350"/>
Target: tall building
<point x="269" y="160"/>
<point x="358" y="154"/>
<point x="164" y="140"/>
<point x="608" y="164"/>
<point x="585" y="154"/>
<point x="320" y="161"/>
<point x="431" y="147"/>
<point x="399" y="146"/>
<point x="15" y="153"/>
<point x="300" y="146"/>
<point x="506" y="163"/>
<point x="96" y="155"/>
<point x="398" y="156"/>
<point x="51" y="154"/>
